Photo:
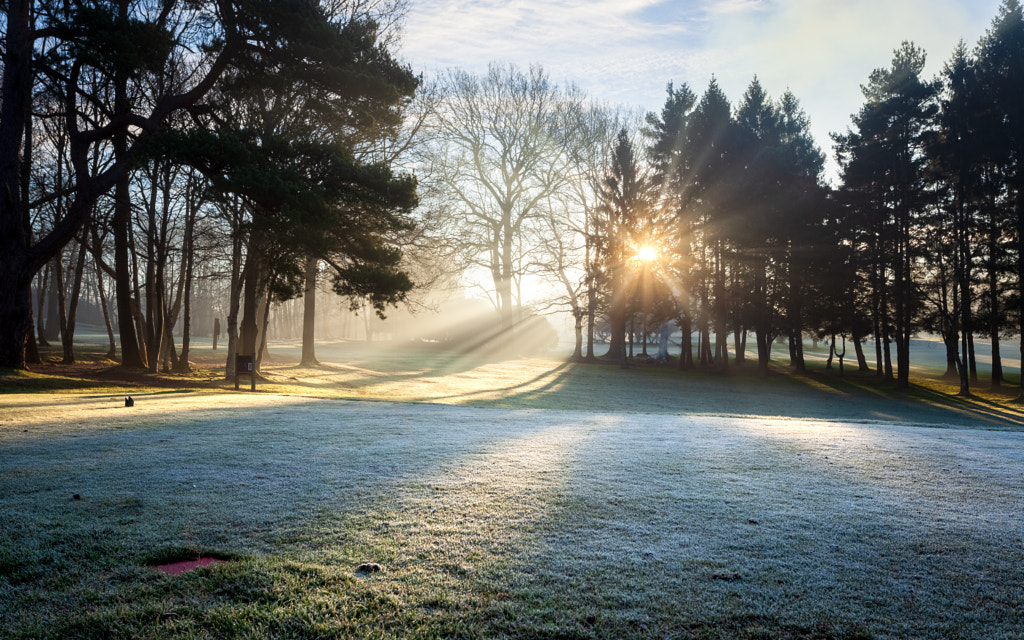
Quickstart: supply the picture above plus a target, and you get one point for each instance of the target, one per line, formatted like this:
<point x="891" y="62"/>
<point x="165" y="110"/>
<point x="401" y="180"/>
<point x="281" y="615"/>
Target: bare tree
<point x="563" y="242"/>
<point x="498" y="159"/>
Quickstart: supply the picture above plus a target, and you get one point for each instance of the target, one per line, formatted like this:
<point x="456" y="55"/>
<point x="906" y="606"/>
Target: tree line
<point x="242" y="151"/>
<point x="717" y="218"/>
<point x="164" y="146"/>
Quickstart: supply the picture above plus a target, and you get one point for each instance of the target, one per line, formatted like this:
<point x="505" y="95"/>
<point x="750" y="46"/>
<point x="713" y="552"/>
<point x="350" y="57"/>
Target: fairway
<point x="499" y="522"/>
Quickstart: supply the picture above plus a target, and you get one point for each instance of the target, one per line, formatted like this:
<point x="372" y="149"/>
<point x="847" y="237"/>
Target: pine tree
<point x="884" y="179"/>
<point x="1001" y="75"/>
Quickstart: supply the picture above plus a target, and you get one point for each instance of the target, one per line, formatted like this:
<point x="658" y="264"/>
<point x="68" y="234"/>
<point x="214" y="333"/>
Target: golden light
<point x="647" y="253"/>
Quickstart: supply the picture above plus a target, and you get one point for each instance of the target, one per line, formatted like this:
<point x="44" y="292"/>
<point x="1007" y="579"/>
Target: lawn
<point x="523" y="499"/>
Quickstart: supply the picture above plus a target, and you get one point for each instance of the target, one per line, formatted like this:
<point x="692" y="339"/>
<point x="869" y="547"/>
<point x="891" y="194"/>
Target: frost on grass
<point x="533" y="522"/>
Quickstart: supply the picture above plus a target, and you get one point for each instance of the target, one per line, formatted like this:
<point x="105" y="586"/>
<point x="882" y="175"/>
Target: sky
<point x="625" y="52"/>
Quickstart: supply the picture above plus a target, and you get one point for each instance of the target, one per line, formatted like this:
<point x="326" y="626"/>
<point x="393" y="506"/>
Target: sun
<point x="647" y="253"/>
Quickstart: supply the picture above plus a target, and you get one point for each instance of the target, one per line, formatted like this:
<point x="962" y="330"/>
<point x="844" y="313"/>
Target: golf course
<point x="403" y="492"/>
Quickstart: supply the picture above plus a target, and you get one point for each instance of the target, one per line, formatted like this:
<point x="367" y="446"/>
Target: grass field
<point x="524" y="499"/>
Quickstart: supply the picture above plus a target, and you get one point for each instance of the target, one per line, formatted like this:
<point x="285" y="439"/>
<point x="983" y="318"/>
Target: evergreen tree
<point x="713" y="197"/>
<point x="883" y="172"/>
<point x="625" y="220"/>
<point x="957" y="158"/>
<point x="670" y="156"/>
<point x="1000" y="78"/>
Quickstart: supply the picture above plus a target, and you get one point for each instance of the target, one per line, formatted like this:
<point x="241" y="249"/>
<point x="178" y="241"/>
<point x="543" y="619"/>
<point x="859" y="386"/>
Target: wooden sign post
<point x="243" y="366"/>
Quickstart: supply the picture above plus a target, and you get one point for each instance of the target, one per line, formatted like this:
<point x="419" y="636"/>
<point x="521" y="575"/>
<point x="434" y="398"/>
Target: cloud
<point x="616" y="36"/>
<point x="626" y="51"/>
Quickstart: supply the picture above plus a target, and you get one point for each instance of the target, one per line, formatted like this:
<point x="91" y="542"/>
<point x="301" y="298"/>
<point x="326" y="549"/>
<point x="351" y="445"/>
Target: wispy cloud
<point x="626" y="51"/>
<point x="469" y="33"/>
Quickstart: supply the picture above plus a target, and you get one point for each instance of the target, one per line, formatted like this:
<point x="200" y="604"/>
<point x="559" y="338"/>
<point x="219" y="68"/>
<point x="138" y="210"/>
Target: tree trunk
<point x="100" y="268"/>
<point x="577" y="351"/>
<point x="632" y="333"/>
<point x="858" y="347"/>
<point x="962" y="360"/>
<point x="761" y="330"/>
<point x="41" y="297"/>
<point x="107" y="323"/>
<point x="737" y="339"/>
<point x="617" y="320"/>
<point x="591" y="295"/>
<point x="309" y="314"/>
<point x="60" y="323"/>
<point x="131" y="356"/>
<point x="902" y="301"/>
<point x="140" y="327"/>
<point x="951" y="342"/>
<point x="972" y="361"/>
<point x="168" y="352"/>
<point x="189" y="264"/>
<point x="686" y="349"/>
<point x="794" y="320"/>
<point x="764" y="347"/>
<point x="31" y="348"/>
<point x="997" y="361"/>
<point x="15" y="310"/>
<point x="16" y="269"/>
<point x="53" y="295"/>
<point x="262" y="318"/>
<point x="1020" y="285"/>
<point x="69" y="314"/>
<point x="249" y="326"/>
<point x="234" y="302"/>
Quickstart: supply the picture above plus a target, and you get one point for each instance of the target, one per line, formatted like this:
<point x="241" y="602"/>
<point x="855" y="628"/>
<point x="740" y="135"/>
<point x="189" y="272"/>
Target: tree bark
<point x="44" y="283"/>
<point x="69" y="313"/>
<point x="858" y="347"/>
<point x="686" y="349"/>
<point x="234" y="300"/>
<point x="131" y="356"/>
<point x="309" y="314"/>
<point x="263" y="317"/>
<point x="617" y="318"/>
<point x="51" y="330"/>
<point x="249" y="326"/>
<point x="15" y="273"/>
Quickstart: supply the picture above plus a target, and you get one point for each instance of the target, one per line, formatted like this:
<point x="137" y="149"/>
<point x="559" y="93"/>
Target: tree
<point x="625" y="225"/>
<point x="1001" y="75"/>
<point x="957" y="159"/>
<point x="713" y="198"/>
<point x="81" y="48"/>
<point x="757" y="236"/>
<point x="669" y="152"/>
<point x="498" y="157"/>
<point x="564" y="237"/>
<point x="883" y="162"/>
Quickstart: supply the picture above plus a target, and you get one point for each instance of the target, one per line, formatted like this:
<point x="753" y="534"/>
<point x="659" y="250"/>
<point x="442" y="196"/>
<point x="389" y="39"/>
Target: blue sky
<point x="625" y="52"/>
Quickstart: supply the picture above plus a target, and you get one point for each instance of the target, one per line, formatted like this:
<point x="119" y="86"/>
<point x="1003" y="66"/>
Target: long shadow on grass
<point x="660" y="390"/>
<point x="516" y="524"/>
<point x="296" y="487"/>
<point x="732" y="528"/>
<point x="865" y="397"/>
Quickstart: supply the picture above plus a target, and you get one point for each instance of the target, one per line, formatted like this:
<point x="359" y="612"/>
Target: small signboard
<point x="243" y="367"/>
